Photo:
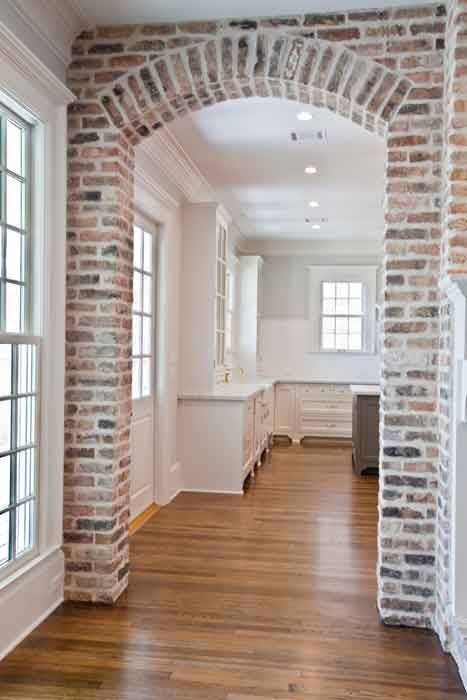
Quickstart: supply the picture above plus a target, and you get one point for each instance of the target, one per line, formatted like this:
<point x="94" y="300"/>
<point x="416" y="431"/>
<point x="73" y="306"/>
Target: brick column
<point x="98" y="347"/>
<point x="454" y="265"/>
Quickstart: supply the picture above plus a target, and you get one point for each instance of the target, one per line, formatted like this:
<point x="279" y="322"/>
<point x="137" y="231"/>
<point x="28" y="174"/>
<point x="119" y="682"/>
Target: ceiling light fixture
<point x="304" y="116"/>
<point x="313" y="204"/>
<point x="316" y="227"/>
<point x="311" y="170"/>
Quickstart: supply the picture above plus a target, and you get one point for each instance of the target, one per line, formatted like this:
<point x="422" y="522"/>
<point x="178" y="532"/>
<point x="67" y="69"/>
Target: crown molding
<point x="14" y="52"/>
<point x="168" y="155"/>
<point x="55" y="22"/>
<point x="144" y="180"/>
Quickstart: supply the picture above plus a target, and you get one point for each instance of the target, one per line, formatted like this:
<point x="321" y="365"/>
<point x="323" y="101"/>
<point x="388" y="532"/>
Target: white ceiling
<point x="244" y="150"/>
<point x="134" y="11"/>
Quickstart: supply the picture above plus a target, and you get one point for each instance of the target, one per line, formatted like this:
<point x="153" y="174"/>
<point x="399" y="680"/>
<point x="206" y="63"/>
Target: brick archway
<point x="382" y="69"/>
<point x="235" y="66"/>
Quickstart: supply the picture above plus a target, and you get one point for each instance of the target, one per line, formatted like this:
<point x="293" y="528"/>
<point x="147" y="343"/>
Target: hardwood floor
<point x="270" y="595"/>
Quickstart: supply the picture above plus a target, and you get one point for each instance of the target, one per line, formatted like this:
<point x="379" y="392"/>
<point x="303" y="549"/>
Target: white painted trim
<point x="24" y="62"/>
<point x="56" y="22"/>
<point x="22" y="603"/>
<point x="143" y="179"/>
<point x="168" y="155"/>
<point x="459" y="647"/>
<point x="213" y="491"/>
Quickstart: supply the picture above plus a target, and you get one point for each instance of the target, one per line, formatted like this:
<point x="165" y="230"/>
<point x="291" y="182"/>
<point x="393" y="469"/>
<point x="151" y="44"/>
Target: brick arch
<point x="383" y="70"/>
<point x="312" y="71"/>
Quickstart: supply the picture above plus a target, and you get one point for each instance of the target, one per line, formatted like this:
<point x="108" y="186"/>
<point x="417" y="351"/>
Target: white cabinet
<point x="222" y="441"/>
<point x="284" y="422"/>
<point x="202" y="296"/>
<point x="313" y="410"/>
<point x="249" y="346"/>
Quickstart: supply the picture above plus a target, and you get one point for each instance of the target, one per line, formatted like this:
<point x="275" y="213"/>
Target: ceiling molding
<point x="55" y="22"/>
<point x="33" y="70"/>
<point x="167" y="154"/>
<point x="143" y="179"/>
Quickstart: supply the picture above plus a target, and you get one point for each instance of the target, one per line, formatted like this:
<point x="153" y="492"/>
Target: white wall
<point x="287" y="346"/>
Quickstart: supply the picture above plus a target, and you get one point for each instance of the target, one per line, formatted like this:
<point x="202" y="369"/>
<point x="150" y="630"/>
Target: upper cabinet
<point x="204" y="252"/>
<point x="249" y="340"/>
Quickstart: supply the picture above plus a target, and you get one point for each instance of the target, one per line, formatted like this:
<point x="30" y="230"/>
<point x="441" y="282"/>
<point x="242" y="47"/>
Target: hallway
<point x="267" y="596"/>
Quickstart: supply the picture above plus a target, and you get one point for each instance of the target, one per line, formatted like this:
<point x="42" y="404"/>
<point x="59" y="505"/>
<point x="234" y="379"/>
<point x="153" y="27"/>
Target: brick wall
<point x="382" y="69"/>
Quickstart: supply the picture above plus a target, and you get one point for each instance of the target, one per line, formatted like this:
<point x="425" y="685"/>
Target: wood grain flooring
<point x="270" y="595"/>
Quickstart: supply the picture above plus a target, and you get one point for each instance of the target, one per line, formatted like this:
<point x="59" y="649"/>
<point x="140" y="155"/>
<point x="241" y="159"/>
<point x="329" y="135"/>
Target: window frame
<point x="7" y="113"/>
<point x="26" y="335"/>
<point x="145" y="229"/>
<point x="363" y="316"/>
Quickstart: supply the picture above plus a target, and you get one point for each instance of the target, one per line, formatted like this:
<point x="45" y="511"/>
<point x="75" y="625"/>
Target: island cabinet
<point x="313" y="410"/>
<point x="365" y="430"/>
<point x="223" y="436"/>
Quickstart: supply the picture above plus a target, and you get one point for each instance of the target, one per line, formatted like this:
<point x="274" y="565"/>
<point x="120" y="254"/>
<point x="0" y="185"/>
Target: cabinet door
<point x="368" y="407"/>
<point x="284" y="423"/>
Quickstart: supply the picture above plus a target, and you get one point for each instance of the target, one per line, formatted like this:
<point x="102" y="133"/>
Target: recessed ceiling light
<point x="316" y="227"/>
<point x="314" y="204"/>
<point x="304" y="116"/>
<point x="311" y="170"/>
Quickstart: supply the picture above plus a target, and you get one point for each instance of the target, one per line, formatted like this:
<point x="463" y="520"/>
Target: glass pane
<point x="14" y="202"/>
<point x="147" y="294"/>
<point x="25" y="474"/>
<point x="4" y="537"/>
<point x="26" y="369"/>
<point x="342" y="342"/>
<point x="137" y="282"/>
<point x="14" y="314"/>
<point x="5" y="370"/>
<point x="342" y="307"/>
<point x="146" y="389"/>
<point x="147" y="251"/>
<point x="328" y="342"/>
<point x="355" y="290"/>
<point x="342" y="325"/>
<point x="24" y="527"/>
<point x="14" y="148"/>
<point x="355" y="325"/>
<point x="329" y="290"/>
<point x="138" y="247"/>
<point x="329" y="325"/>
<point x="4" y="481"/>
<point x="355" y="306"/>
<point x="26" y="417"/>
<point x="355" y="342"/>
<point x="342" y="290"/>
<point x="136" y="335"/>
<point x="147" y="333"/>
<point x="5" y="426"/>
<point x="329" y="306"/>
<point x="14" y="255"/>
<point x="136" y="379"/>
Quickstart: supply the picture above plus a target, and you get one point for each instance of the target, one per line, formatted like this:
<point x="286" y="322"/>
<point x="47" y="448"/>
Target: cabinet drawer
<point x="326" y="427"/>
<point x="307" y="406"/>
<point x="328" y="392"/>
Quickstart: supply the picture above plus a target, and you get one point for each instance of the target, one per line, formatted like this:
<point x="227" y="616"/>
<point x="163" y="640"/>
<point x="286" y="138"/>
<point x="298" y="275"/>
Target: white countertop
<point x="365" y="389"/>
<point x="242" y="391"/>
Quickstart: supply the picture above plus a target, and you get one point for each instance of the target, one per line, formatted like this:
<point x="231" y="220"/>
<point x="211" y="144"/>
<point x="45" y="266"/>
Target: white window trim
<point x="367" y="276"/>
<point x="35" y="589"/>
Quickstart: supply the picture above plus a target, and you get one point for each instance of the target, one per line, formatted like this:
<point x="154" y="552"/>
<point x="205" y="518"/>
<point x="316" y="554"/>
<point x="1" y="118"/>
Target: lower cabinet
<point x="313" y="410"/>
<point x="223" y="440"/>
<point x="365" y="436"/>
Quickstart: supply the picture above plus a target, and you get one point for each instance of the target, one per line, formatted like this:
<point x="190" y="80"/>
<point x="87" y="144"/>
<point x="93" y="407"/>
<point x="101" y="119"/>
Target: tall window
<point x="229" y="315"/>
<point x="142" y="313"/>
<point x="19" y="351"/>
<point x="342" y="316"/>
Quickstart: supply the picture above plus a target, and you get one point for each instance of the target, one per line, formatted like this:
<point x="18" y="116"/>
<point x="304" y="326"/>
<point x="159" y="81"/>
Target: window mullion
<point x="14" y="455"/>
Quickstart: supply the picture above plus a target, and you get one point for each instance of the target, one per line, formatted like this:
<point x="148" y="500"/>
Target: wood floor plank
<point x="270" y="595"/>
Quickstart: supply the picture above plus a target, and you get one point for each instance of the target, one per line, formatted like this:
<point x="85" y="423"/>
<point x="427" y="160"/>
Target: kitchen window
<point x="342" y="316"/>
<point x="19" y="349"/>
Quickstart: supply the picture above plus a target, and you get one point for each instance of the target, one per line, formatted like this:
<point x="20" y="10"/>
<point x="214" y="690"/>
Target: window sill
<point x="33" y="560"/>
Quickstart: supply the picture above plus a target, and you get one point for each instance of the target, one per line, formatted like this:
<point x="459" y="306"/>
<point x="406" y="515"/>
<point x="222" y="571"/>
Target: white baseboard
<point x="218" y="491"/>
<point x="30" y="599"/>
